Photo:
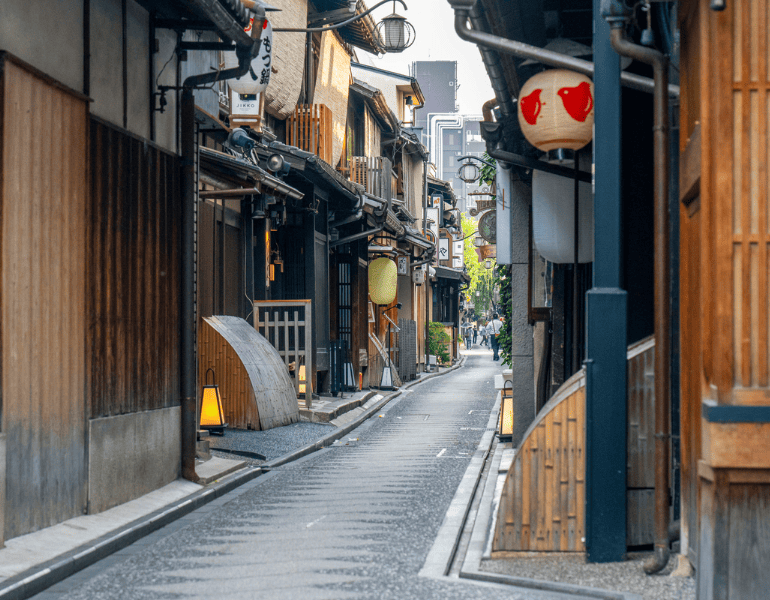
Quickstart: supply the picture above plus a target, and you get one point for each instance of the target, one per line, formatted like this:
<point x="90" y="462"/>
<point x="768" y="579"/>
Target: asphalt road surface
<point x="355" y="520"/>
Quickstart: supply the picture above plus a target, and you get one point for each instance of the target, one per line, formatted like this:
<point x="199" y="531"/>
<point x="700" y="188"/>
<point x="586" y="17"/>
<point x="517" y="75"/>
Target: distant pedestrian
<point x="483" y="332"/>
<point x="494" y="328"/>
<point x="465" y="331"/>
<point x="475" y="333"/>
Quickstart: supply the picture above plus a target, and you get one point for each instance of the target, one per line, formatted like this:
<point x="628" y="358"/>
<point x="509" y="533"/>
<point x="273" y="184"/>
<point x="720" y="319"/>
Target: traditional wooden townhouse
<point x="656" y="425"/>
<point x="98" y="363"/>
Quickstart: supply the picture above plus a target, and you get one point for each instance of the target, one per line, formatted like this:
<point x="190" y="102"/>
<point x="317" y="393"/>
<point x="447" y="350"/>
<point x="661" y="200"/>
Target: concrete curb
<point x="442" y="553"/>
<point x="37" y="579"/>
<point x="43" y="576"/>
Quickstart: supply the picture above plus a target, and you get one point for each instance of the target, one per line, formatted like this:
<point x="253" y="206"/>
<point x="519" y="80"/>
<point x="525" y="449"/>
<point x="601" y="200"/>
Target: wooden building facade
<point x="725" y="236"/>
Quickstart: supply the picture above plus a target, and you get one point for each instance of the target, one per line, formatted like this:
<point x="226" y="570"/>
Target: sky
<point x="433" y="21"/>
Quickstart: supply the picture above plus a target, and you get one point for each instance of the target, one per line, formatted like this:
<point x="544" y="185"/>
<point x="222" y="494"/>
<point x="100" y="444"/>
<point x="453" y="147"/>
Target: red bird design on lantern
<point x="531" y="106"/>
<point x="577" y="100"/>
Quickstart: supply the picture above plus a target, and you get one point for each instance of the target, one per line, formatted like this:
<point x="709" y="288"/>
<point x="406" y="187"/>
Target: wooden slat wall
<point x="741" y="87"/>
<point x="542" y="507"/>
<point x="43" y="199"/>
<point x="238" y="403"/>
<point x="133" y="270"/>
<point x="309" y="128"/>
<point x="641" y="443"/>
<point x="374" y="173"/>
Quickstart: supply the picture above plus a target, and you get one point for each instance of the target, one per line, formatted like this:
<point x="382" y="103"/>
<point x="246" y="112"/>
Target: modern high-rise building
<point x="446" y="133"/>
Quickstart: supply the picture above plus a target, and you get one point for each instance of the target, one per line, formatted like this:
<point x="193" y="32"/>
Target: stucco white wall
<point x="47" y="35"/>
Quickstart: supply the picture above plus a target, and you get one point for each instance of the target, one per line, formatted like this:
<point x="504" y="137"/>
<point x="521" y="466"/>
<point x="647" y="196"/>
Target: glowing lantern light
<point x="556" y="110"/>
<point x="211" y="407"/>
<point x="506" y="411"/>
<point x="302" y="377"/>
<point x="383" y="280"/>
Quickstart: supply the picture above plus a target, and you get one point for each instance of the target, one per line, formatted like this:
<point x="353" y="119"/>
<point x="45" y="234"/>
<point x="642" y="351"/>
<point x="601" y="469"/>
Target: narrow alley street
<point x="355" y="520"/>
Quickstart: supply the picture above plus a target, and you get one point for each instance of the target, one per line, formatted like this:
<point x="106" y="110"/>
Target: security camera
<point x="239" y="139"/>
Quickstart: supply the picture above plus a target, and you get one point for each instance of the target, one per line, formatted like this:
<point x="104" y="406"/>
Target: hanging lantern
<point x="556" y="110"/>
<point x="211" y="407"/>
<point x="257" y="78"/>
<point x="396" y="33"/>
<point x="468" y="172"/>
<point x="383" y="280"/>
<point x="553" y="218"/>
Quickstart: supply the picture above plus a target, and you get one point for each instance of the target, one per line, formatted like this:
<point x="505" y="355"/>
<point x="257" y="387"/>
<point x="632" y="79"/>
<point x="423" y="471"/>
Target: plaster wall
<point x="47" y="35"/>
<point x="107" y="61"/>
<point x="332" y="88"/>
<point x="131" y="455"/>
<point x="165" y="123"/>
<point x="522" y="333"/>
<point x="138" y="70"/>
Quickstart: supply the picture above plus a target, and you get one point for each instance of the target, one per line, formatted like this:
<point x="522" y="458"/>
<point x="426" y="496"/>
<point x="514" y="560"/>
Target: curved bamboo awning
<point x="257" y="392"/>
<point x="542" y="507"/>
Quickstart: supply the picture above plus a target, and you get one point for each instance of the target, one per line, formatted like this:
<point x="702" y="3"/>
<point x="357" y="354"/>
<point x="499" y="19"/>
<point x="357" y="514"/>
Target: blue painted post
<point x="606" y="315"/>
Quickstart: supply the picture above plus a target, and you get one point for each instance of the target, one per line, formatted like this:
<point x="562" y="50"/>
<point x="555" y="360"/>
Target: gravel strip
<point x="619" y="576"/>
<point x="272" y="443"/>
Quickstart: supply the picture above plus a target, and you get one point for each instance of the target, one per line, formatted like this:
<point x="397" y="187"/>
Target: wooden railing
<point x="287" y="325"/>
<point x="310" y="129"/>
<point x="375" y="173"/>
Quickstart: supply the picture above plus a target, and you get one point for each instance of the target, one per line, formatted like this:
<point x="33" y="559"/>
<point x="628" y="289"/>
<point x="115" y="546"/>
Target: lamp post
<point x="395" y="33"/>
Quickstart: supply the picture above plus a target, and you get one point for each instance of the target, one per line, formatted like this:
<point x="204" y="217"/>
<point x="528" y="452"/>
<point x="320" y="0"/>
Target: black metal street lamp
<point x="395" y="33"/>
<point x="469" y="172"/>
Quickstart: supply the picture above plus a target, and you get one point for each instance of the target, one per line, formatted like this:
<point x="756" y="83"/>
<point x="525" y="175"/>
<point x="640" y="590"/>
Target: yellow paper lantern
<point x="383" y="280"/>
<point x="556" y="110"/>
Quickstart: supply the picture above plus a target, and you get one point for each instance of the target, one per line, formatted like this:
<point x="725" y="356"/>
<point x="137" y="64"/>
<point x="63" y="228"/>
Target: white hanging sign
<point x="256" y="80"/>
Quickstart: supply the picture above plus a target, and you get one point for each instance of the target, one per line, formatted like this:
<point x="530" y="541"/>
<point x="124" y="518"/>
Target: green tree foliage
<point x="505" y="339"/>
<point x="482" y="280"/>
<point x="438" y="341"/>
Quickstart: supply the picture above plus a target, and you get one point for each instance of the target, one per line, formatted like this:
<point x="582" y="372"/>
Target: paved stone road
<point x="352" y="521"/>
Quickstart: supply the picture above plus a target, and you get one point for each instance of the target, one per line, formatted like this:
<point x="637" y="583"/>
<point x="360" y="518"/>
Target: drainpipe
<point x="659" y="62"/>
<point x="188" y="383"/>
<point x="487" y="108"/>
<point x="425" y="233"/>
<point x="463" y="10"/>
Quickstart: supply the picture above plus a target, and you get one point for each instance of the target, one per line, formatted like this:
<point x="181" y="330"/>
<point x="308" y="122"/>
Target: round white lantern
<point x="255" y="81"/>
<point x="553" y="218"/>
<point x="556" y="110"/>
<point x="383" y="280"/>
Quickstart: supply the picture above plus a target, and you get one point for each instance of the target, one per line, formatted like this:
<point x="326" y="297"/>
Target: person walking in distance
<point x="493" y="328"/>
<point x="475" y="332"/>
